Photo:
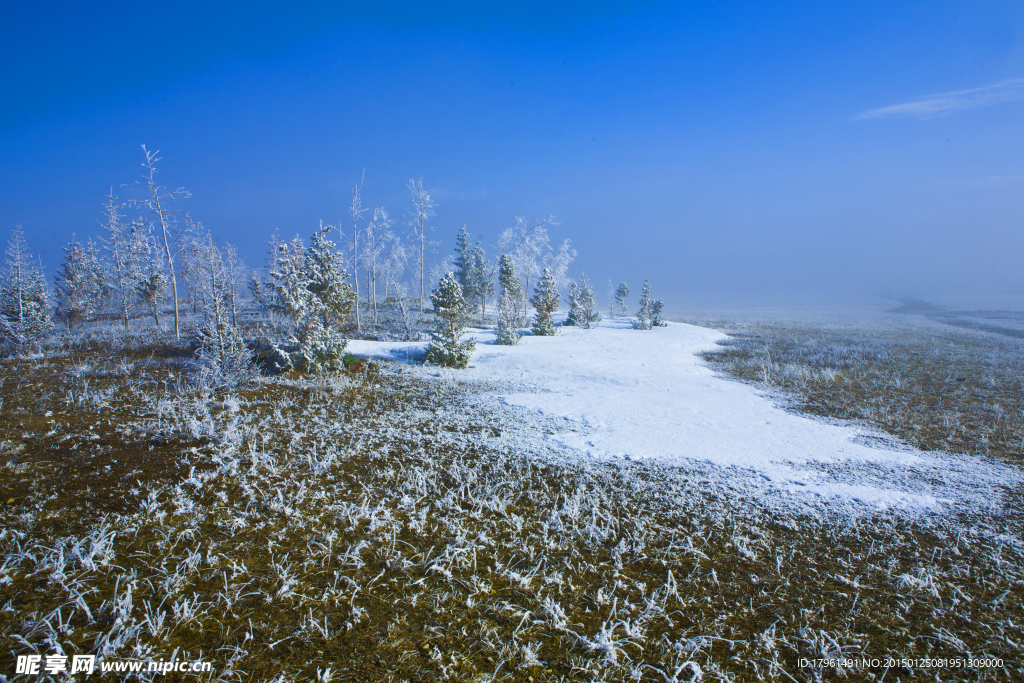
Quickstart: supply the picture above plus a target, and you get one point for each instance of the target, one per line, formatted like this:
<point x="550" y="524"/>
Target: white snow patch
<point x="633" y="394"/>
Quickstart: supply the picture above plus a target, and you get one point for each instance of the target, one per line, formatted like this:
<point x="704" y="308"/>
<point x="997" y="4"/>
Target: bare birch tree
<point x="422" y="209"/>
<point x="356" y="210"/>
<point x="157" y="203"/>
<point x="377" y="236"/>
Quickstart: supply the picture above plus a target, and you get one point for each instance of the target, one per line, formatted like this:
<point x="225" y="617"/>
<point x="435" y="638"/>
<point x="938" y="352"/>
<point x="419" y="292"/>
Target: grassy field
<point x="937" y="387"/>
<point x="388" y="528"/>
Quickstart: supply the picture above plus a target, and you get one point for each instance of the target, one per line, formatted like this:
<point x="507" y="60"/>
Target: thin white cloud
<point x="944" y="103"/>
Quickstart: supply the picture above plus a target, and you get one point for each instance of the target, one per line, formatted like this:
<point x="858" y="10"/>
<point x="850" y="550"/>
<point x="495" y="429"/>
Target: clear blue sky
<point x="753" y="150"/>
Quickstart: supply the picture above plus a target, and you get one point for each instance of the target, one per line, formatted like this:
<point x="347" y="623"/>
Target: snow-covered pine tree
<point x="545" y="302"/>
<point x="320" y="310"/>
<point x="223" y="357"/>
<point x="463" y="260"/>
<point x="327" y="280"/>
<point x="480" y="277"/>
<point x="582" y="305"/>
<point x="643" y="313"/>
<point x="588" y="303"/>
<point x="656" y="307"/>
<point x="452" y="314"/>
<point x="25" y="306"/>
<point x="77" y="291"/>
<point x="621" y="294"/>
<point x="575" y="316"/>
<point x="258" y="291"/>
<point x="611" y="299"/>
<point x="509" y="297"/>
<point x="96" y="266"/>
<point x="286" y="291"/>
<point x="321" y="349"/>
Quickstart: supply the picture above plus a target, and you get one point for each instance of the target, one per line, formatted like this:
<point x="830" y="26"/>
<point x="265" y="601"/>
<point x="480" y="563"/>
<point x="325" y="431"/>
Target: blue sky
<point x="743" y="151"/>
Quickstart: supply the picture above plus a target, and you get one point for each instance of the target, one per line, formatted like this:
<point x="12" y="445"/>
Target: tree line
<point x="160" y="262"/>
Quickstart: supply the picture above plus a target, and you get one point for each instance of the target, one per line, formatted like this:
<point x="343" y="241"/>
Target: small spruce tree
<point x="588" y="303"/>
<point x="482" y="286"/>
<point x="509" y="296"/>
<point x="644" y="313"/>
<point x="582" y="305"/>
<point x="25" y="306"/>
<point x="545" y="302"/>
<point x="621" y="294"/>
<point x="287" y="289"/>
<point x="327" y="280"/>
<point x="452" y="314"/>
<point x="575" y="318"/>
<point x="96" y="267"/>
<point x="656" y="307"/>
<point x="463" y="262"/>
<point x="78" y="291"/>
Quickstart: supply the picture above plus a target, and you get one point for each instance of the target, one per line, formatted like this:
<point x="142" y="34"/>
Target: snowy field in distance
<point x="622" y="393"/>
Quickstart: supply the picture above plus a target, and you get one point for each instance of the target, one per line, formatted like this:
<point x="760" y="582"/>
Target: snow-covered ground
<point x="614" y="392"/>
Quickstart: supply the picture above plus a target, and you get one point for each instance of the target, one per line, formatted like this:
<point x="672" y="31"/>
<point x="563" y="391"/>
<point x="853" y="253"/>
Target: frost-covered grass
<point x="935" y="386"/>
<point x="392" y="528"/>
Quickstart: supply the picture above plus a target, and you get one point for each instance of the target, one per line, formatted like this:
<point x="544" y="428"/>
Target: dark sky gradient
<point x="714" y="148"/>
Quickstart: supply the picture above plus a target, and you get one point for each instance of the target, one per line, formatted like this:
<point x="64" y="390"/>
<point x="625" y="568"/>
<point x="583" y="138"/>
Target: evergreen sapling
<point x="25" y="306"/>
<point x="575" y="318"/>
<point x="452" y="315"/>
<point x="510" y="295"/>
<point x="588" y="303"/>
<point x="77" y="289"/>
<point x="656" y="307"/>
<point x="582" y="305"/>
<point x="621" y="294"/>
<point x="645" y="311"/>
<point x="545" y="302"/>
<point x="482" y="286"/>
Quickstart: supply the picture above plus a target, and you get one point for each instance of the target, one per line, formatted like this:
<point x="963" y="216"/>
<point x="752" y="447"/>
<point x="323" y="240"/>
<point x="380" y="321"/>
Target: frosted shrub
<point x="227" y="366"/>
<point x="452" y="315"/>
<point x="321" y="348"/>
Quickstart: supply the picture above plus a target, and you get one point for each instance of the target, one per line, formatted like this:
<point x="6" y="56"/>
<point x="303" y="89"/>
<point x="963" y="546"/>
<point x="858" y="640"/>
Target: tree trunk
<point x="421" y="266"/>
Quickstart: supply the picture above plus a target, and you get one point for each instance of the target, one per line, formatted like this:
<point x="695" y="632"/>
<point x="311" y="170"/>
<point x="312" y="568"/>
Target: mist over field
<point x="735" y="155"/>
